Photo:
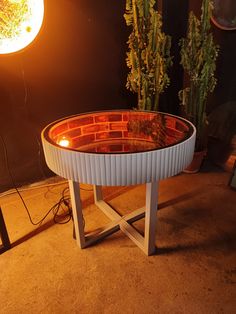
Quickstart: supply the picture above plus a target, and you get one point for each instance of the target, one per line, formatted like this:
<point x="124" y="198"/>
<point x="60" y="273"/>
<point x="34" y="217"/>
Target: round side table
<point x="118" y="148"/>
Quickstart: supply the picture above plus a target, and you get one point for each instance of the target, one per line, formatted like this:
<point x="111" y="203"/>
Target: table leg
<point x="77" y="213"/>
<point x="6" y="245"/>
<point x="97" y="191"/>
<point x="150" y="217"/>
<point x="146" y="243"/>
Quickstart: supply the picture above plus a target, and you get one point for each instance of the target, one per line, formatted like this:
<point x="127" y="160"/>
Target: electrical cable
<point x="61" y="204"/>
<point x="64" y="201"/>
<point x="30" y="188"/>
<point x="13" y="182"/>
<point x="59" y="218"/>
<point x="55" y="208"/>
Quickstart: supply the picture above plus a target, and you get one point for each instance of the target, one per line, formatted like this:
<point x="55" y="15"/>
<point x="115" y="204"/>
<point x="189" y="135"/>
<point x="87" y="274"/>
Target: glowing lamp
<point x="20" y="22"/>
<point x="64" y="142"/>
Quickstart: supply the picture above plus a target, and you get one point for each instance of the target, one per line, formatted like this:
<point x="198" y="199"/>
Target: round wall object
<point x="224" y="14"/>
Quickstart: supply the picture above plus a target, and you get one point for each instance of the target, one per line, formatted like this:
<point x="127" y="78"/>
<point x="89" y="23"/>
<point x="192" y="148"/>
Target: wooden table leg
<point x="146" y="243"/>
<point x="6" y="245"/>
<point x="150" y="217"/>
<point x="97" y="191"/>
<point x="77" y="213"/>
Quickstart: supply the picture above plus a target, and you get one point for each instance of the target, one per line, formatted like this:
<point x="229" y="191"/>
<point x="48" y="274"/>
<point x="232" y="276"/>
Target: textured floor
<point x="194" y="270"/>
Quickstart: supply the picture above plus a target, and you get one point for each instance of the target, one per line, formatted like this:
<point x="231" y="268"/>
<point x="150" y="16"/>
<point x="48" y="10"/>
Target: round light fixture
<point x="20" y="22"/>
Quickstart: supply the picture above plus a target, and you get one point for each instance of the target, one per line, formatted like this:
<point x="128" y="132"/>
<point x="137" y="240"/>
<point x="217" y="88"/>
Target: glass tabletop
<point x="123" y="131"/>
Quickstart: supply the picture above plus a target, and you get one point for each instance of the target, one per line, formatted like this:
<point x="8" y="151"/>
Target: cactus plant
<point x="198" y="58"/>
<point x="148" y="57"/>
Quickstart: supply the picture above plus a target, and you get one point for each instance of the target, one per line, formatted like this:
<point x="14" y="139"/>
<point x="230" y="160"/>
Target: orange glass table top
<point x="122" y="131"/>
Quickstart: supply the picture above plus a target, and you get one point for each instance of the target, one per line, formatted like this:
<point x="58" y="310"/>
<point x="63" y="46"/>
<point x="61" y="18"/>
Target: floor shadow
<point x="224" y="242"/>
<point x="85" y="203"/>
<point x="181" y="198"/>
<point x="209" y="166"/>
<point x="108" y="195"/>
<point x="33" y="233"/>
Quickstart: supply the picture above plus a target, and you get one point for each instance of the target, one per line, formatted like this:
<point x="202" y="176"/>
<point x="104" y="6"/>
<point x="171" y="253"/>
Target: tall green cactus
<point x="198" y="57"/>
<point x="148" y="57"/>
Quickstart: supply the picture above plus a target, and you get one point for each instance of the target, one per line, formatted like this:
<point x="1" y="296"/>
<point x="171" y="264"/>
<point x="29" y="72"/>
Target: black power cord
<point x="63" y="204"/>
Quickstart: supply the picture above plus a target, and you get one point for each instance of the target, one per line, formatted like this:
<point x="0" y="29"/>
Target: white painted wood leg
<point x="146" y="243"/>
<point x="77" y="213"/>
<point x="97" y="191"/>
<point x="150" y="217"/>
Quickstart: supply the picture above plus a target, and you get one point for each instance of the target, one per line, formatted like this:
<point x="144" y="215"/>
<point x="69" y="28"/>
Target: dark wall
<point x="175" y="16"/>
<point x="76" y="64"/>
<point x="225" y="90"/>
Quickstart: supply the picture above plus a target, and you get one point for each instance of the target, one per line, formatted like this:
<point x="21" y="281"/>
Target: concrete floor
<point x="194" y="270"/>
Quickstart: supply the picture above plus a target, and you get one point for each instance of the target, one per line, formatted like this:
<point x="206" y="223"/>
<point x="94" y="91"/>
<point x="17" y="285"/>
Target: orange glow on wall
<point x="20" y="22"/>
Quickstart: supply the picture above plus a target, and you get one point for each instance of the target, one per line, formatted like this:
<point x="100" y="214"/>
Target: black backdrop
<point x="77" y="64"/>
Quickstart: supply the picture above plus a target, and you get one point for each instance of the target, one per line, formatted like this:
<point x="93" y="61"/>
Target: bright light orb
<point x="20" y="22"/>
<point x="64" y="142"/>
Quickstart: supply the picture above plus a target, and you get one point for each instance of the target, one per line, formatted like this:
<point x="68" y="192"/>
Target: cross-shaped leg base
<point x="118" y="222"/>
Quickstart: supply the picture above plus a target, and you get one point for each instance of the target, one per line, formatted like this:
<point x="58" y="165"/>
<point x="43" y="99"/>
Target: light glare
<point x="20" y="22"/>
<point x="64" y="142"/>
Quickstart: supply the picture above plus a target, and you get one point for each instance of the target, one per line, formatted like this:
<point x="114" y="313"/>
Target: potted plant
<point x="148" y="57"/>
<point x="198" y="58"/>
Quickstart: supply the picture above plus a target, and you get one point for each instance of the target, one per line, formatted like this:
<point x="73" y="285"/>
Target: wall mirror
<point x="224" y="14"/>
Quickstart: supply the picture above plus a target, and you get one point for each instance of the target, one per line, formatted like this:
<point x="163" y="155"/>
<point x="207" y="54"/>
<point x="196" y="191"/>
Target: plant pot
<point x="196" y="163"/>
